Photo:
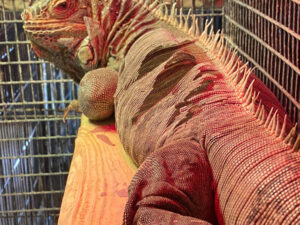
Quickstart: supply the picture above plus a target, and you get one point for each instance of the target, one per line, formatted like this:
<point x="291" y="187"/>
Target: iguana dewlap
<point x="96" y="99"/>
<point x="211" y="143"/>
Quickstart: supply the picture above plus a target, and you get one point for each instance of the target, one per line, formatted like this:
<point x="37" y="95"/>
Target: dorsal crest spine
<point x="229" y="64"/>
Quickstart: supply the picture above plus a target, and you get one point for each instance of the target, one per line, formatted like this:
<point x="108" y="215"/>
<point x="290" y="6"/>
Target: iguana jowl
<point x="211" y="143"/>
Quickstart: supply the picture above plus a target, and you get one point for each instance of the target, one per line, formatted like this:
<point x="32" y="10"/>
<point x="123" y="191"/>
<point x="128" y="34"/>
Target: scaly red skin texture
<point x="56" y="34"/>
<point x="183" y="191"/>
<point x="204" y="157"/>
<point x="255" y="176"/>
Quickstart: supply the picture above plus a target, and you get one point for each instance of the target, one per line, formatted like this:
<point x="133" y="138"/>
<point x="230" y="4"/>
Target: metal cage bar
<point x="35" y="146"/>
<point x="267" y="34"/>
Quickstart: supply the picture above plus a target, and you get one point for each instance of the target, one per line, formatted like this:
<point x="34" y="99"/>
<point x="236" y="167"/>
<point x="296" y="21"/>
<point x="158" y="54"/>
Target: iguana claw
<point x="73" y="106"/>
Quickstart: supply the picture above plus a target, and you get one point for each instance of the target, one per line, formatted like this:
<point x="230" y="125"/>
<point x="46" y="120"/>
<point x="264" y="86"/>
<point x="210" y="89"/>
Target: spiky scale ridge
<point x="180" y="26"/>
<point x="186" y="21"/>
<point x="271" y="126"/>
<point x="289" y="138"/>
<point x="268" y="118"/>
<point x="296" y="146"/>
<point x="248" y="95"/>
<point x="257" y="113"/>
<point x="229" y="62"/>
<point x="251" y="106"/>
<point x="153" y="5"/>
<point x="231" y="59"/>
<point x="172" y="17"/>
<point x="282" y="132"/>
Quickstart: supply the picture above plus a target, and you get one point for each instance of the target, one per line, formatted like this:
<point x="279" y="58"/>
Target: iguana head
<point x="63" y="32"/>
<point x="81" y="35"/>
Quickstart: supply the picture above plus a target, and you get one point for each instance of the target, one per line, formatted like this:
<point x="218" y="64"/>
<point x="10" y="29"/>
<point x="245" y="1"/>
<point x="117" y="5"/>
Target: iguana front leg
<point x="96" y="94"/>
<point x="172" y="186"/>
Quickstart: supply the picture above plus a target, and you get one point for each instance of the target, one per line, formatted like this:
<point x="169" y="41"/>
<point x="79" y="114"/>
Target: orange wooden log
<point x="100" y="172"/>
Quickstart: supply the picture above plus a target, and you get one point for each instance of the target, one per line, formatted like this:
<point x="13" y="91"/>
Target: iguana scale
<point x="211" y="144"/>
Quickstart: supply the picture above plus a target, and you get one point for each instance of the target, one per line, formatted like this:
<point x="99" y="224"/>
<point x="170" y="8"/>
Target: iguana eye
<point x="61" y="6"/>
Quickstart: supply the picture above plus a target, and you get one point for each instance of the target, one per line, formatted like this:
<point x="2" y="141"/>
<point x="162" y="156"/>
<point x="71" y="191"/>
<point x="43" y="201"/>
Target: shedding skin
<point x="213" y="144"/>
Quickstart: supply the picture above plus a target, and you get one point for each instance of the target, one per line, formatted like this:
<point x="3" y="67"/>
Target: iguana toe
<point x="73" y="106"/>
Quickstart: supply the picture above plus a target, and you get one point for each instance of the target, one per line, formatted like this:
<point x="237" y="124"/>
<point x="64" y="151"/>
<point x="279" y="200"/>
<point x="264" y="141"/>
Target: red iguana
<point x="211" y="144"/>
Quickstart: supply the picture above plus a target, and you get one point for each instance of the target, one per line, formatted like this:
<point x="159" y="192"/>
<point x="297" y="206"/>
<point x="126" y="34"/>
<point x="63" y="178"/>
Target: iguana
<point x="211" y="144"/>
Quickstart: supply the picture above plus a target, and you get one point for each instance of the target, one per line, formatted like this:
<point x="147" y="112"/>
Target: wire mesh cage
<point x="36" y="146"/>
<point x="267" y="35"/>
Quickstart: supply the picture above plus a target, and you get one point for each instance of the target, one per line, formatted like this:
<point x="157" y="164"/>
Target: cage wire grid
<point x="36" y="147"/>
<point x="269" y="39"/>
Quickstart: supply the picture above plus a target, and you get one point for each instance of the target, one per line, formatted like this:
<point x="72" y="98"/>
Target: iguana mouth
<point x="50" y="37"/>
<point x="53" y="27"/>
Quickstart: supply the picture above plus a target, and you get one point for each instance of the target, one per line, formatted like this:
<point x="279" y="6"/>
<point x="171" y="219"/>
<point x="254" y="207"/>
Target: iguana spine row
<point x="237" y="74"/>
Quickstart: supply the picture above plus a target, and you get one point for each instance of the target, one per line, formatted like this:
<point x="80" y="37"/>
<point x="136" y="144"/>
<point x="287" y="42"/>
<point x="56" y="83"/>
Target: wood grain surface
<point x="100" y="172"/>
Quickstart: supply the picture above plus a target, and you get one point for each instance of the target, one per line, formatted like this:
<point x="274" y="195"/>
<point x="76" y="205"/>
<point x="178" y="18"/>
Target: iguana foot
<point x="172" y="186"/>
<point x="73" y="106"/>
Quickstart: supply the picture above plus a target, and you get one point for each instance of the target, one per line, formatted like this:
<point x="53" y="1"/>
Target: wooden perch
<point x="100" y="172"/>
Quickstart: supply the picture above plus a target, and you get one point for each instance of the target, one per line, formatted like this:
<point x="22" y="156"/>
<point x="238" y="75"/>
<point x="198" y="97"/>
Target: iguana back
<point x="211" y="143"/>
